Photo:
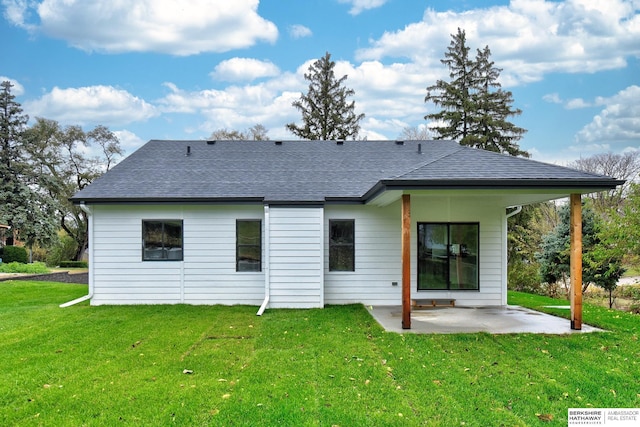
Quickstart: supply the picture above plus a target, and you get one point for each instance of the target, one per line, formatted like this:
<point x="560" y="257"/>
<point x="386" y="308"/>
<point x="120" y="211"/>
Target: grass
<point x="18" y="267"/>
<point x="124" y="365"/>
<point x="632" y="271"/>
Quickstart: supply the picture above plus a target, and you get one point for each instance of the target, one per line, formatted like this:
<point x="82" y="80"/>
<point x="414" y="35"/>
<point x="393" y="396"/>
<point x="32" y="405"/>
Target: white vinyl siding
<point x="377" y="257"/>
<point x="465" y="209"/>
<point x="207" y="275"/>
<point x="298" y="254"/>
<point x="296" y="257"/>
<point x="378" y="251"/>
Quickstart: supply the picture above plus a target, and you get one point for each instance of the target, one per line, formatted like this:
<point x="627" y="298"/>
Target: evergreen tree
<point x="474" y="107"/>
<point x="454" y="120"/>
<point x="22" y="207"/>
<point x="490" y="128"/>
<point x="602" y="262"/>
<point x="12" y="125"/>
<point x="326" y="112"/>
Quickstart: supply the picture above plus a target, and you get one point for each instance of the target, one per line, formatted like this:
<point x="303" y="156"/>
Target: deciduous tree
<point x="67" y="160"/>
<point x="625" y="166"/>
<point x="416" y="133"/>
<point x="256" y="132"/>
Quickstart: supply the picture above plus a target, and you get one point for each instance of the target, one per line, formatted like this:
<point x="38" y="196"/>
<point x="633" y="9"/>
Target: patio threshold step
<point x="418" y="304"/>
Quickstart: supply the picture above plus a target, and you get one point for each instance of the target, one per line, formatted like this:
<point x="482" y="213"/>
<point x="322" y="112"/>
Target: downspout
<point x="514" y="212"/>
<point x="267" y="282"/>
<point x="90" y="295"/>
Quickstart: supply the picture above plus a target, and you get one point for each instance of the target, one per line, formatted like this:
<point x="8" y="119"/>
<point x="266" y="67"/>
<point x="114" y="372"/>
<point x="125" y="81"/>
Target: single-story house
<point x="302" y="224"/>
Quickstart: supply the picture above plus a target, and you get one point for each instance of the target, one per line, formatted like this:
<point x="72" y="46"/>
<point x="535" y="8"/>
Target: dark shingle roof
<point x="314" y="171"/>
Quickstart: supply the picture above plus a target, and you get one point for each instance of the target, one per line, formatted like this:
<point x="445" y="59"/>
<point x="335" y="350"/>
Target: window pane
<point x="249" y="258"/>
<point x="341" y="258"/>
<point x="463" y="256"/>
<point x="152" y="234"/>
<point x="173" y="234"/>
<point x="432" y="256"/>
<point x="341" y="245"/>
<point x="162" y="240"/>
<point x="248" y="245"/>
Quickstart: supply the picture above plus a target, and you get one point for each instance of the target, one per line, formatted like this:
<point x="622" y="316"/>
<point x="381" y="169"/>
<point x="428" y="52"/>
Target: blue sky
<point x="181" y="69"/>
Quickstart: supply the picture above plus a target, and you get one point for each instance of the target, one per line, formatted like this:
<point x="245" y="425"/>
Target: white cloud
<point x="90" y="105"/>
<point x="299" y="31"/>
<point x="577" y="103"/>
<point x="129" y="141"/>
<point x="239" y="107"/>
<point x="358" y="6"/>
<point x="16" y="89"/>
<point x="244" y="69"/>
<point x="17" y="12"/>
<point x="528" y="38"/>
<point x="166" y="26"/>
<point x="393" y="92"/>
<point x="552" y="98"/>
<point x="618" y="122"/>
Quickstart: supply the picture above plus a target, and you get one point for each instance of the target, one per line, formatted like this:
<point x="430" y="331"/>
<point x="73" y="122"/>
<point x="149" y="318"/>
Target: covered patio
<point x="493" y="320"/>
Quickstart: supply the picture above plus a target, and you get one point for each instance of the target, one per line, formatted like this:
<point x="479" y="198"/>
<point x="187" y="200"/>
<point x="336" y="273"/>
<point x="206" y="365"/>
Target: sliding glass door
<point x="448" y="256"/>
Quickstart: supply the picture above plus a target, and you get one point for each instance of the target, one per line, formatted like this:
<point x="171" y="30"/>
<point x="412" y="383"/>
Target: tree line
<point x="538" y="256"/>
<point x="475" y="110"/>
<point x="42" y="166"/>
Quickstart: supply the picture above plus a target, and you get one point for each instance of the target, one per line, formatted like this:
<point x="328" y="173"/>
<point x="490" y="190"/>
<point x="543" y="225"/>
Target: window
<point x="162" y="240"/>
<point x="448" y="256"/>
<point x="248" y="245"/>
<point x="341" y="245"/>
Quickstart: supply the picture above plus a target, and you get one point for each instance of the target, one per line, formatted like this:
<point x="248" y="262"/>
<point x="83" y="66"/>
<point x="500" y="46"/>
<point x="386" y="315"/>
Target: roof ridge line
<point x="429" y="162"/>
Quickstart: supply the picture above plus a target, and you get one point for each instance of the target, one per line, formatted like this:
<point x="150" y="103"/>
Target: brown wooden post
<point x="575" y="295"/>
<point x="406" y="261"/>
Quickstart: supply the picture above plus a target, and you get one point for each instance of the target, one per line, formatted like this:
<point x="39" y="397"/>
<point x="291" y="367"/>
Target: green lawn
<point x="99" y="366"/>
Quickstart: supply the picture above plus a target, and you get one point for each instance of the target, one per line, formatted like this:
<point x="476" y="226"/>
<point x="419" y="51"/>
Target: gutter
<point x="267" y="282"/>
<point x="90" y="295"/>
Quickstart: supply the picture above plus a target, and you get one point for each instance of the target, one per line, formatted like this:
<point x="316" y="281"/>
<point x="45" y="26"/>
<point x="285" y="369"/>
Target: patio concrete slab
<point x="494" y="320"/>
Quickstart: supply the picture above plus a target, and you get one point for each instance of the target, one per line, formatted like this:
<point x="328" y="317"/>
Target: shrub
<point x="629" y="291"/>
<point x="524" y="277"/>
<point x="39" y="254"/>
<point x="74" y="264"/>
<point x="14" y="254"/>
<point x="64" y="249"/>
<point x="17" y="267"/>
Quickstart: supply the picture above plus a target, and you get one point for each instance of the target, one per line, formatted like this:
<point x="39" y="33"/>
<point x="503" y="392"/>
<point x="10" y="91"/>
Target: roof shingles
<point x="308" y="171"/>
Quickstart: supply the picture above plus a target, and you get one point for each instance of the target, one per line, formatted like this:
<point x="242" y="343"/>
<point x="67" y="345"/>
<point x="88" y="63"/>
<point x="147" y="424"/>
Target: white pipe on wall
<point x="90" y="295"/>
<point x="267" y="283"/>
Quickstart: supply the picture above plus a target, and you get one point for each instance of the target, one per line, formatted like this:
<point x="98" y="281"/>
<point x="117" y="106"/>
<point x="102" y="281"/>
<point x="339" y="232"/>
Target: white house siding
<point x="295" y="257"/>
<point x="377" y="257"/>
<point x="490" y="215"/>
<point x="206" y="275"/>
<point x="299" y="275"/>
<point x="377" y="279"/>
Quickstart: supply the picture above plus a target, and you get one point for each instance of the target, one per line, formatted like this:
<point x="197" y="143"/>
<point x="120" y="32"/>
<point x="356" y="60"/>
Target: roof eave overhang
<point x="566" y="185"/>
<point x="164" y="200"/>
